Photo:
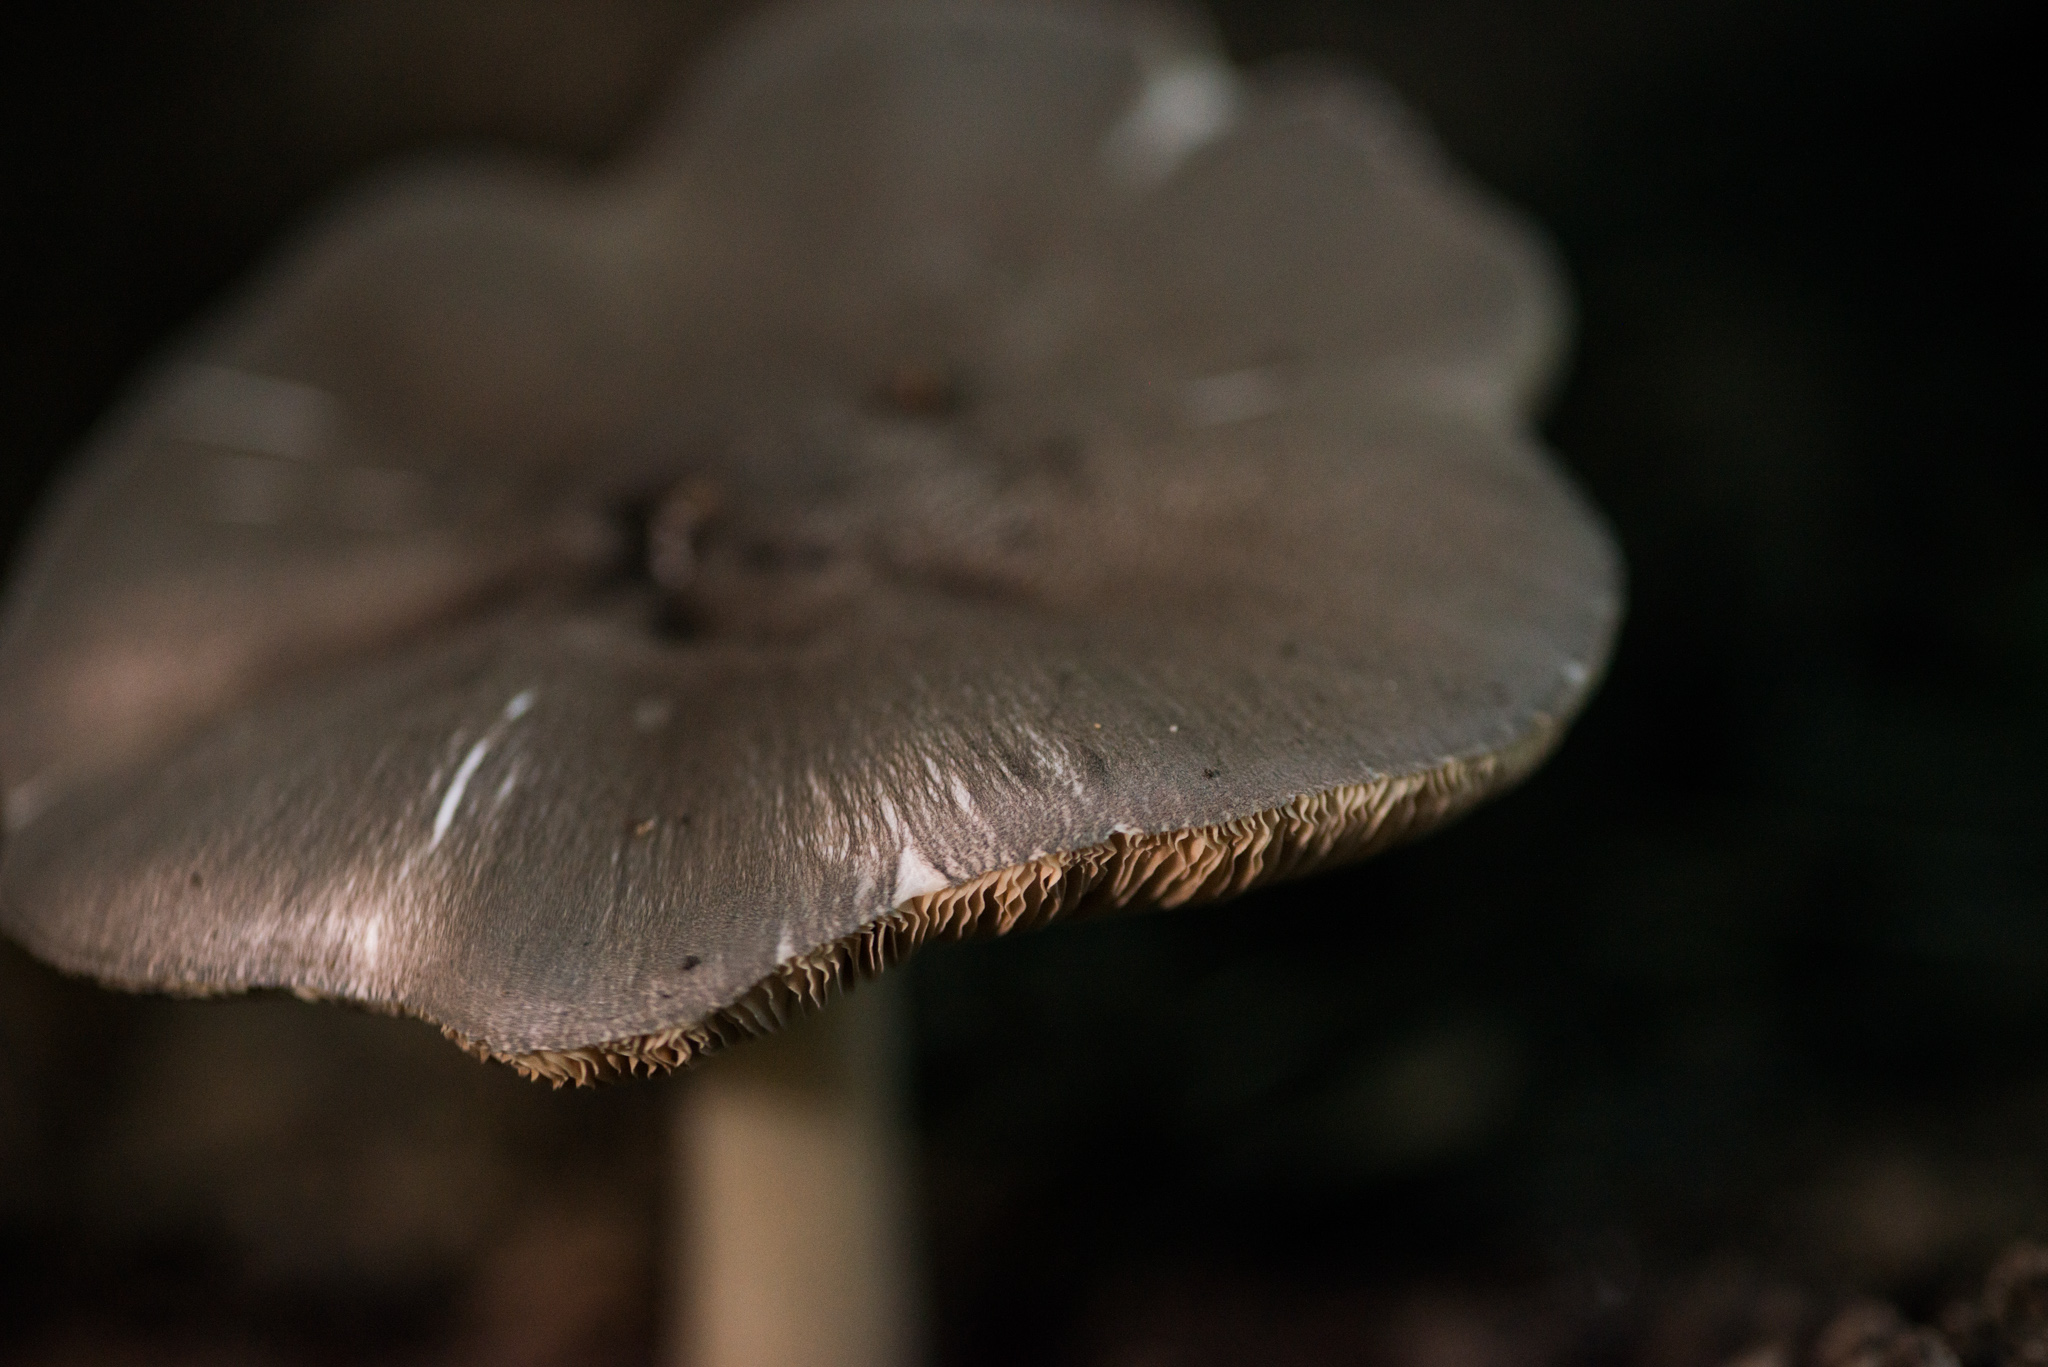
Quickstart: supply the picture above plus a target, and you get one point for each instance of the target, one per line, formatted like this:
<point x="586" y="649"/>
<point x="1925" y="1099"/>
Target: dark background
<point x="1743" y="991"/>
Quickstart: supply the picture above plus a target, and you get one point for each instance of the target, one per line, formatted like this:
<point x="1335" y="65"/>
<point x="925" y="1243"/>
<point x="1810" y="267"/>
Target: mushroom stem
<point x="793" y="1162"/>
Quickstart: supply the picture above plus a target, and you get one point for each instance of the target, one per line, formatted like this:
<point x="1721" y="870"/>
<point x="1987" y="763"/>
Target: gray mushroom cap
<point x="972" y="464"/>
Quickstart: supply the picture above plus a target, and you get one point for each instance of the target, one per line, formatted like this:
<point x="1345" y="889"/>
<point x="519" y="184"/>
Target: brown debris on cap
<point x="932" y="488"/>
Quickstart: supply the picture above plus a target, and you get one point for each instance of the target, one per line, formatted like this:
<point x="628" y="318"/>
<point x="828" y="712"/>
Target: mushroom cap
<point x="971" y="464"/>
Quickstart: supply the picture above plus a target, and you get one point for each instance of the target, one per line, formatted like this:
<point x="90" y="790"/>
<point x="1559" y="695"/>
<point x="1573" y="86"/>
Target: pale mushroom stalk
<point x="976" y="464"/>
<point x="797" y="1219"/>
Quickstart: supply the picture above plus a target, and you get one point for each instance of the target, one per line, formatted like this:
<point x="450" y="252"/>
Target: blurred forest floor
<point x="1731" y="1018"/>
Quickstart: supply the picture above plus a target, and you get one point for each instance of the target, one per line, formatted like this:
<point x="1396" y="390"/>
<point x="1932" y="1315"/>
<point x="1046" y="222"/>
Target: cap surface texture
<point x="968" y="465"/>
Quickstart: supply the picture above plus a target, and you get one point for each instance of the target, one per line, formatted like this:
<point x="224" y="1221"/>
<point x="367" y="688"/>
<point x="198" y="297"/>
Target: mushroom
<point x="971" y="466"/>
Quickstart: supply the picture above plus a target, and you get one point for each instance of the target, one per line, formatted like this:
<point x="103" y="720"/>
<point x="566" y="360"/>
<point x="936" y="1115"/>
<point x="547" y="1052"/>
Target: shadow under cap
<point x="598" y="617"/>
